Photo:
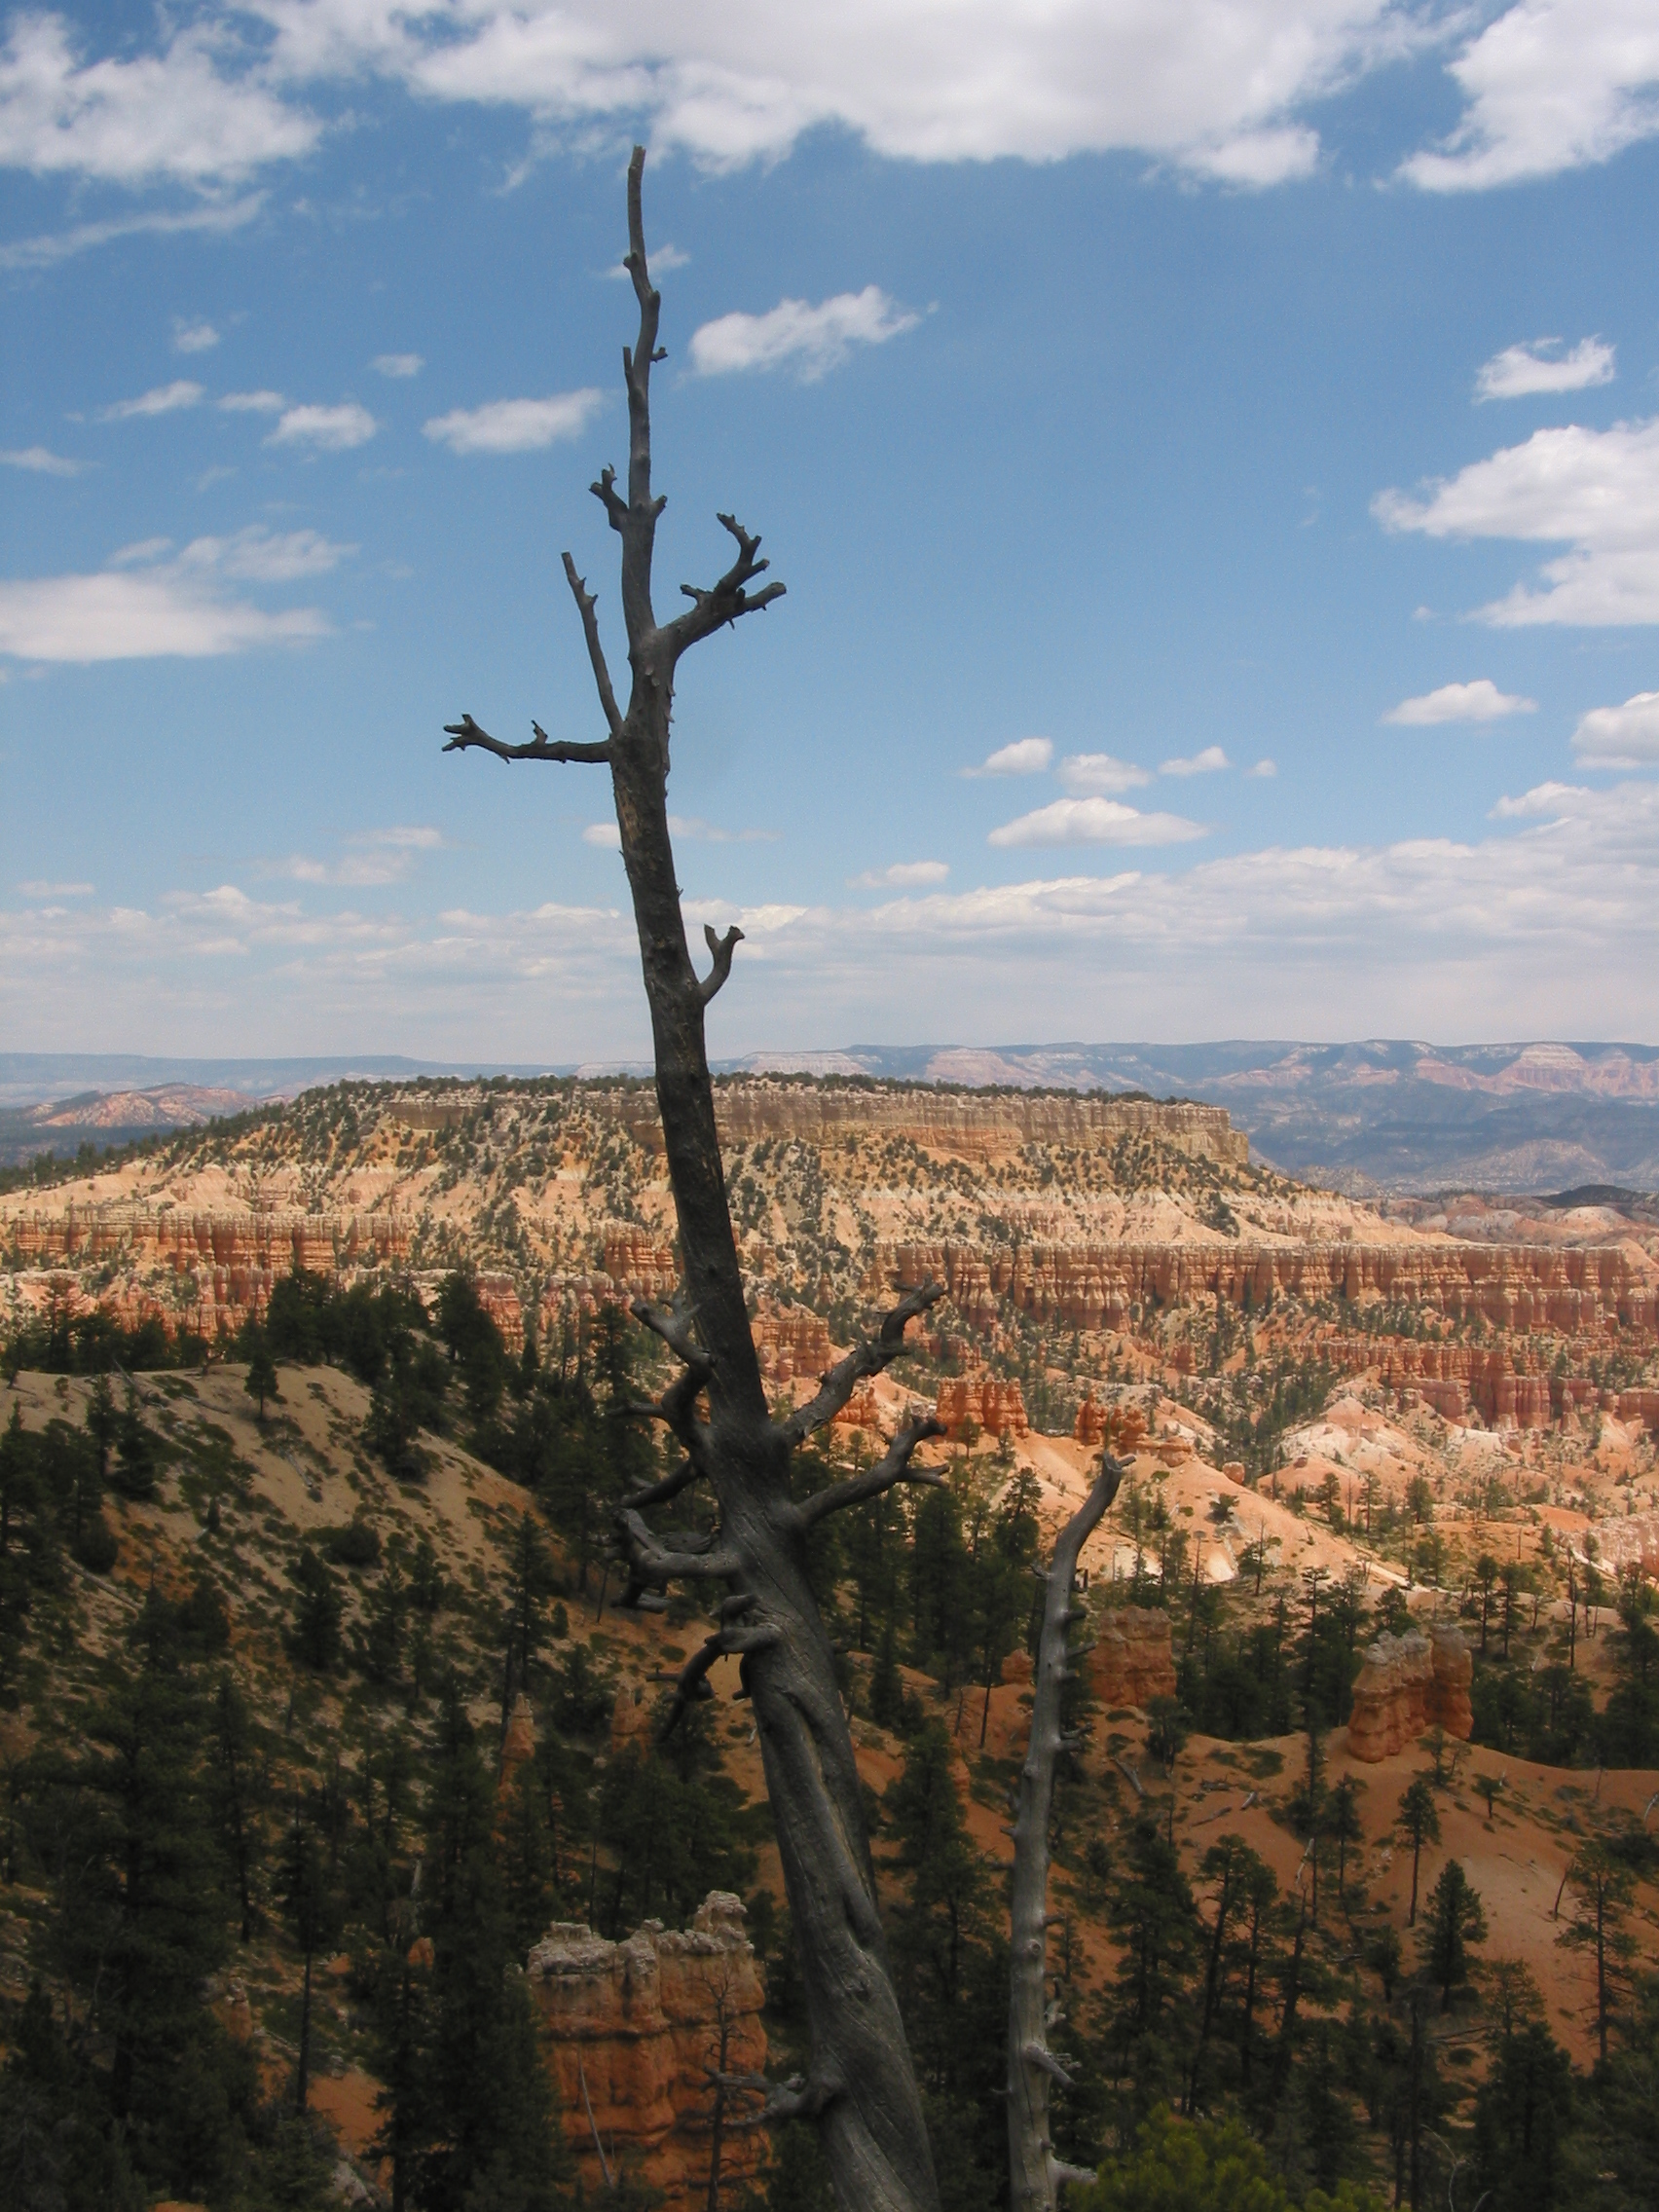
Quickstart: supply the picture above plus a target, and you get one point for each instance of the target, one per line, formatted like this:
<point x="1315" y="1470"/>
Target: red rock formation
<point x="861" y="1411"/>
<point x="1569" y="1290"/>
<point x="995" y="1408"/>
<point x="791" y="1341"/>
<point x="1090" y="1426"/>
<point x="632" y="2029"/>
<point x="1132" y="1660"/>
<point x="636" y="1264"/>
<point x="1407" y="1684"/>
<point x="518" y="1744"/>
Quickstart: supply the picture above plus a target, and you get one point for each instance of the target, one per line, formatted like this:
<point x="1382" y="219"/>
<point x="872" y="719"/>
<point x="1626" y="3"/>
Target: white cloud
<point x="1263" y="768"/>
<point x="53" y="247"/>
<point x="604" y="834"/>
<point x="688" y="827"/>
<point x="165" y="115"/>
<point x="1619" y="737"/>
<point x="1544" y="802"/>
<point x="192" y="337"/>
<point x="1478" y="702"/>
<point x="515" y="426"/>
<point x="812" y="338"/>
<point x="1551" y="85"/>
<point x="1026" y="756"/>
<point x="1597" y="491"/>
<point x="901" y="875"/>
<point x="253" y="403"/>
<point x="56" y="890"/>
<point x="41" y="460"/>
<point x="141" y="608"/>
<point x="330" y="430"/>
<point x="1094" y="822"/>
<point x="663" y="259"/>
<point x="1520" y="370"/>
<point x="1099" y="775"/>
<point x="1205" y="763"/>
<point x="372" y="856"/>
<point x="163" y="399"/>
<point x="1214" y="89"/>
<point x="399" y="364"/>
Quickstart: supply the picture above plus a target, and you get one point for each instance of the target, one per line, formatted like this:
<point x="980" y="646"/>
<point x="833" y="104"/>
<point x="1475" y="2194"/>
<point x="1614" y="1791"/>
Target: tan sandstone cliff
<point x="1409" y="1684"/>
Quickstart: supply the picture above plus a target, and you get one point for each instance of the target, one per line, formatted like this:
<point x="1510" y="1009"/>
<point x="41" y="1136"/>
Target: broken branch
<point x="836" y="1385"/>
<point x="722" y="949"/>
<point x="585" y="603"/>
<point x="465" y="734"/>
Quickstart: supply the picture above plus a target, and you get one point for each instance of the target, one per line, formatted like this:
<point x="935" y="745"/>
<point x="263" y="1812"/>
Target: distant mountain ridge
<point x="1378" y="1116"/>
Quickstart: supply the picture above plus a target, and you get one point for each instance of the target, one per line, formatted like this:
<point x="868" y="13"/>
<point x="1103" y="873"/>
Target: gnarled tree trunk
<point x="862" y="2088"/>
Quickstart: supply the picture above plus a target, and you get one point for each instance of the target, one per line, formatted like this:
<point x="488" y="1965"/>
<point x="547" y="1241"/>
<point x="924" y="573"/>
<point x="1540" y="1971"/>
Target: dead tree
<point x="861" y="2089"/>
<point x="1035" y="2175"/>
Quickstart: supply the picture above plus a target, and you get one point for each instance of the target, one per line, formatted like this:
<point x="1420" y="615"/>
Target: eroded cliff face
<point x="992" y="1407"/>
<point x="1093" y="1286"/>
<point x="1407" y="1684"/>
<point x="1134" y="1659"/>
<point x="634" y="2029"/>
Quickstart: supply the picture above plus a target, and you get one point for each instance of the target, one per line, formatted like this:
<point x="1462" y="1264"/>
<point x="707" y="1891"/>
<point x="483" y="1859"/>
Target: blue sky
<point x="1212" y="450"/>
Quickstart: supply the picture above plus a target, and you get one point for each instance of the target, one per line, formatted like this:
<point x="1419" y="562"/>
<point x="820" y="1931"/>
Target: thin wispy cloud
<point x="162" y="399"/>
<point x="1540" y="366"/>
<point x="215" y="220"/>
<point x="325" y="430"/>
<point x="663" y="259"/>
<point x="515" y="426"/>
<point x="194" y="337"/>
<point x="1100" y="775"/>
<point x="1026" y="756"/>
<point x="252" y="403"/>
<point x="1209" y="762"/>
<point x="41" y="460"/>
<point x="1094" y="822"/>
<point x="398" y="365"/>
<point x="810" y="340"/>
<point x="690" y="829"/>
<point x="1478" y="702"/>
<point x="1263" y="770"/>
<point x="901" y="875"/>
<point x="371" y="857"/>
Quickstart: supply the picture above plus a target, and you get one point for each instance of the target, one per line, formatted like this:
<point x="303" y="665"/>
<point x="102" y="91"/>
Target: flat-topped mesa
<point x="1093" y="1285"/>
<point x="1134" y="1659"/>
<point x="632" y="2033"/>
<point x="1407" y="1684"/>
<point x="969" y="1125"/>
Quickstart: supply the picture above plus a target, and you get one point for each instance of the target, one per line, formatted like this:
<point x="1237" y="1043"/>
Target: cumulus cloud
<point x="41" y="460"/>
<point x="901" y="875"/>
<point x="1205" y="763"/>
<point x="253" y="403"/>
<point x="1520" y="370"/>
<point x="812" y="340"/>
<point x="163" y="399"/>
<point x="1094" y="822"/>
<point x="172" y="113"/>
<point x="1099" y="775"/>
<point x="1550" y="85"/>
<point x="399" y="364"/>
<point x="142" y="606"/>
<point x="1263" y="768"/>
<point x="515" y="426"/>
<point x="192" y="337"/>
<point x="328" y="429"/>
<point x="1026" y="756"/>
<point x="1595" y="491"/>
<point x="1619" y="737"/>
<point x="1478" y="702"/>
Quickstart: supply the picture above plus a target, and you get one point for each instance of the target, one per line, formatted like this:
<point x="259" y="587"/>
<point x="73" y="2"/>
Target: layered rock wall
<point x="1134" y="1659"/>
<point x="631" y="2030"/>
<point x="1093" y="1286"/>
<point x="993" y="1407"/>
<point x="1407" y="1684"/>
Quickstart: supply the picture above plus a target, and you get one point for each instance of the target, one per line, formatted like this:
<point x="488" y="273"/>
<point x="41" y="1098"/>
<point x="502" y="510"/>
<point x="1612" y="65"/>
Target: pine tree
<point x="1418" y="1821"/>
<point x="261" y="1383"/>
<point x="1454" y="1920"/>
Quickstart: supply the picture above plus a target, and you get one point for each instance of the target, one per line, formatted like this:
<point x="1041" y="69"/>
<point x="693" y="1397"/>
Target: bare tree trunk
<point x="1035" y="2174"/>
<point x="862" y="2088"/>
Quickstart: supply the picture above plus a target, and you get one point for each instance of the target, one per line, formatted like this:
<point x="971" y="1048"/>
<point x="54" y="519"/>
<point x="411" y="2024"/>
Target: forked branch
<point x="892" y="1468"/>
<point x="872" y="1358"/>
<point x="722" y="949"/>
<point x="466" y="736"/>
<point x="585" y="604"/>
<point x="730" y="1641"/>
<point x="727" y="598"/>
